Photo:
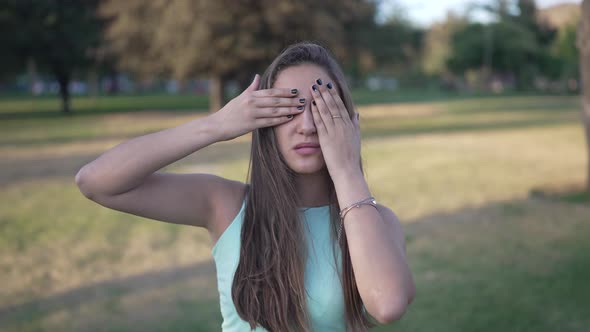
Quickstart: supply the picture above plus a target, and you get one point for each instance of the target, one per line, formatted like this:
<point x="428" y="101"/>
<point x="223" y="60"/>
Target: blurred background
<point x="473" y="129"/>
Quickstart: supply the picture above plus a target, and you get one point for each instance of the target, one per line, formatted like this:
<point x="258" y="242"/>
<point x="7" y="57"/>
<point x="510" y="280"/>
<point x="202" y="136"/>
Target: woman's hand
<point x="257" y="109"/>
<point x="339" y="135"/>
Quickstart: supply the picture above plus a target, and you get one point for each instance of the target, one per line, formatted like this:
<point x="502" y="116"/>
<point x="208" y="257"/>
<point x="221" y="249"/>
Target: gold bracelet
<point x="367" y="201"/>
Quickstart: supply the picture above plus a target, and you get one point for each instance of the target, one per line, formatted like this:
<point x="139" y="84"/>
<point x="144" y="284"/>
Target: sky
<point x="425" y="12"/>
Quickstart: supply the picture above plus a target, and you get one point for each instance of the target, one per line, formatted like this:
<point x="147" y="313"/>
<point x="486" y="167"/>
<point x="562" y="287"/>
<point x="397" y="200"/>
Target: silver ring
<point x="336" y="116"/>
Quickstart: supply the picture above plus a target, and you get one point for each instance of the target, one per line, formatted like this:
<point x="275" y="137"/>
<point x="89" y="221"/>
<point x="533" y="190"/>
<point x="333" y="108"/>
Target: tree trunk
<point x="584" y="47"/>
<point x="64" y="81"/>
<point x="32" y="73"/>
<point x="216" y="87"/>
<point x="93" y="82"/>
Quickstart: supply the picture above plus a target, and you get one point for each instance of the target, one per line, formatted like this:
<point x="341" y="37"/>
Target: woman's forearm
<point x="126" y="165"/>
<point x="383" y="277"/>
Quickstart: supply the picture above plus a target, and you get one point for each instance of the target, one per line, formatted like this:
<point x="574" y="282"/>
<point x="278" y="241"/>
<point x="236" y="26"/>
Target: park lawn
<point x="485" y="253"/>
<point x="50" y="106"/>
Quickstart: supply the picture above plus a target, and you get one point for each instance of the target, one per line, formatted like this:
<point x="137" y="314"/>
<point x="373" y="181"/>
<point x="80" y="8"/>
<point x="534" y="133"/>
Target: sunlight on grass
<point x="445" y="172"/>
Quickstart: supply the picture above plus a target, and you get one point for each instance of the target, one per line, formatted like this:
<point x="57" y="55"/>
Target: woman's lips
<point x="307" y="150"/>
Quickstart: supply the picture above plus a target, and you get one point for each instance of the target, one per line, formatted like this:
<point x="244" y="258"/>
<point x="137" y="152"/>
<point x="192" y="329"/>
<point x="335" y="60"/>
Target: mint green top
<point x="325" y="300"/>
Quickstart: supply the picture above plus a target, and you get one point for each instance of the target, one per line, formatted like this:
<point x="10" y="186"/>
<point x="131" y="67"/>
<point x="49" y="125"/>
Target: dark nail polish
<point x="319" y="81"/>
<point x="313" y="102"/>
<point x="314" y="87"/>
<point x="290" y="116"/>
<point x="294" y="91"/>
<point x="302" y="101"/>
<point x="329" y="85"/>
<point x="300" y="107"/>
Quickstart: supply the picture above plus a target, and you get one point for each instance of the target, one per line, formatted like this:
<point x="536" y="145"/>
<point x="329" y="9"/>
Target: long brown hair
<point x="268" y="287"/>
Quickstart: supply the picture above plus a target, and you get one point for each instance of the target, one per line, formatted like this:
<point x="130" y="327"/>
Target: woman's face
<point x="301" y="129"/>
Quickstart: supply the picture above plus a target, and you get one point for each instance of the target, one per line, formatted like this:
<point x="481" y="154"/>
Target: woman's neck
<point x="313" y="189"/>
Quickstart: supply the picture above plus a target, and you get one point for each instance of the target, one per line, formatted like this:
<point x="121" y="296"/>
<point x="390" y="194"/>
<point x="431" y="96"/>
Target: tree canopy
<point x="60" y="36"/>
<point x="517" y="43"/>
<point x="224" y="39"/>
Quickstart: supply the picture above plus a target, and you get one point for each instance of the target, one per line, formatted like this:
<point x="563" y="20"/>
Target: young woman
<point x="303" y="246"/>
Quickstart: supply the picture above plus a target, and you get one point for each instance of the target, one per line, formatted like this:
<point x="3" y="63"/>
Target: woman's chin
<point x="308" y="169"/>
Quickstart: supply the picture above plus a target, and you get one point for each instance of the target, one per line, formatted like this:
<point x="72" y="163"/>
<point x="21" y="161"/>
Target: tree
<point x="221" y="39"/>
<point x="59" y="36"/>
<point x="437" y="49"/>
<point x="397" y="45"/>
<point x="513" y="49"/>
<point x="584" y="48"/>
<point x="528" y="17"/>
<point x="565" y="52"/>
<point x="517" y="42"/>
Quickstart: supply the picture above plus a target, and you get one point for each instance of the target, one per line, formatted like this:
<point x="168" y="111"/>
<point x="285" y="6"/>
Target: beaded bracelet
<point x="367" y="201"/>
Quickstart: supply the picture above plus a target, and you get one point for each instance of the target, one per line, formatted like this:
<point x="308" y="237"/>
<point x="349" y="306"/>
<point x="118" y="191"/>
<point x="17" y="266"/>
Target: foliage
<point x="231" y="40"/>
<point x="59" y="36"/>
<point x="437" y="44"/>
<point x="221" y="38"/>
<point x="517" y="43"/>
<point x="512" y="46"/>
<point x="565" y="49"/>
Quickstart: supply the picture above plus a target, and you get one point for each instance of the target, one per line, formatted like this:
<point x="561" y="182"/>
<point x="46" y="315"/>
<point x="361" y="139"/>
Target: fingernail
<point x="319" y="81"/>
<point x="290" y="116"/>
<point x="313" y="102"/>
<point x="300" y="107"/>
<point x="329" y="85"/>
<point x="302" y="101"/>
<point x="294" y="91"/>
<point x="314" y="87"/>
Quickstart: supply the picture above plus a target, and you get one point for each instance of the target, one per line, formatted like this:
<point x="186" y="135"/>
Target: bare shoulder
<point x="395" y="226"/>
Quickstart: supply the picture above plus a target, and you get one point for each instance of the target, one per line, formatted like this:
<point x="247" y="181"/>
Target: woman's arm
<point x="128" y="164"/>
<point x="377" y="251"/>
<point x="125" y="178"/>
<point x="375" y="239"/>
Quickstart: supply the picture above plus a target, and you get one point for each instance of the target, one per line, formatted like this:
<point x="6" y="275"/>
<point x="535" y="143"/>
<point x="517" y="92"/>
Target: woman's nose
<point x="306" y="124"/>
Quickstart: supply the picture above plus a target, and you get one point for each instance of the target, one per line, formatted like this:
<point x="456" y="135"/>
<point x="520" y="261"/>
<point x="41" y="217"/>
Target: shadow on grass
<point x="543" y="106"/>
<point x="423" y="128"/>
<point x="85" y="113"/>
<point x="106" y="296"/>
<point x="68" y="139"/>
<point x="488" y="268"/>
<point x="366" y="97"/>
<point x="369" y="130"/>
<point x="25" y="107"/>
<point x="31" y="168"/>
<point x="71" y="138"/>
<point x="509" y="266"/>
<point x="576" y="194"/>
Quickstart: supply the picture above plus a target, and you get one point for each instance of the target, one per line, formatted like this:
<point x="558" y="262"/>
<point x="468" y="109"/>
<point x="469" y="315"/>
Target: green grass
<point x="51" y="106"/>
<point x="487" y="252"/>
<point x="521" y="270"/>
<point x="578" y="197"/>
